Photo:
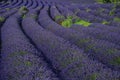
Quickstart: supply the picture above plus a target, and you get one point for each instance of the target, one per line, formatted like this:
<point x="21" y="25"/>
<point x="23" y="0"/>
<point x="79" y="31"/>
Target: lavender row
<point x="99" y="34"/>
<point x="35" y="4"/>
<point x="105" y="27"/>
<point x="19" y="59"/>
<point x="65" y="11"/>
<point x="6" y="15"/>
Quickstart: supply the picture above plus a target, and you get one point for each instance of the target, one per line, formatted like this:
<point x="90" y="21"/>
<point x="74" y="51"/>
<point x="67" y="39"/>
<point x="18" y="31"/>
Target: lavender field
<point x="59" y="40"/>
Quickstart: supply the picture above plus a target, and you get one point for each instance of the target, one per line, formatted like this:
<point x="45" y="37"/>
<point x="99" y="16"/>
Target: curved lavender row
<point x="94" y="6"/>
<point x="19" y="4"/>
<point x="99" y="34"/>
<point x="30" y="2"/>
<point x="107" y="17"/>
<point x="63" y="55"/>
<point x="98" y="49"/>
<point x="2" y="11"/>
<point x="49" y="44"/>
<point x="34" y="5"/>
<point x="56" y="12"/>
<point x="11" y="3"/>
<point x="19" y="60"/>
<point x="65" y="11"/>
<point x="91" y="6"/>
<point x="15" y="2"/>
<point x="87" y="9"/>
<point x="89" y="17"/>
<point x="2" y="3"/>
<point x="6" y="15"/>
<point x="39" y="3"/>
<point x="5" y="4"/>
<point x="103" y="27"/>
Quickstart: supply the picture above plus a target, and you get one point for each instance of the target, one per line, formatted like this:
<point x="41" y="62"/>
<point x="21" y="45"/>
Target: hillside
<point x="59" y="40"/>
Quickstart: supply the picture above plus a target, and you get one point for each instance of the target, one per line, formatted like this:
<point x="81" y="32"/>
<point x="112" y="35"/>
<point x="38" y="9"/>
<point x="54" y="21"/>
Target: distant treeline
<point x="109" y="1"/>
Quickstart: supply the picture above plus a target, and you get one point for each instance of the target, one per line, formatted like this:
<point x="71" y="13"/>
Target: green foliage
<point x="112" y="12"/>
<point x="116" y="19"/>
<point x="90" y="47"/>
<point x="23" y="9"/>
<point x="20" y="53"/>
<point x="100" y="1"/>
<point x="28" y="63"/>
<point x="111" y="51"/>
<point x="105" y="22"/>
<point x="23" y="16"/>
<point x="116" y="61"/>
<point x="83" y="23"/>
<point x="34" y="16"/>
<point x="108" y="1"/>
<point x="7" y="9"/>
<point x="70" y="20"/>
<point x="93" y="77"/>
<point x="67" y="23"/>
<point x="101" y="10"/>
<point x="88" y="10"/>
<point x="59" y="17"/>
<point x="2" y="19"/>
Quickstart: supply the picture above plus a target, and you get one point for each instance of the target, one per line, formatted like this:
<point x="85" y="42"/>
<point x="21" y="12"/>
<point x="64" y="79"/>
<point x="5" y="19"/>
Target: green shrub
<point x="99" y="1"/>
<point x="59" y="17"/>
<point x="2" y="19"/>
<point x="83" y="23"/>
<point x="19" y="53"/>
<point x="88" y="10"/>
<point x="116" y="19"/>
<point x="34" y="16"/>
<point x="23" y="16"/>
<point x="67" y="23"/>
<point x="93" y="77"/>
<point x="70" y="20"/>
<point x="108" y="1"/>
<point x="7" y="9"/>
<point x="28" y="63"/>
<point x="116" y="61"/>
<point x="23" y="9"/>
<point x="105" y="22"/>
<point x="112" y="12"/>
